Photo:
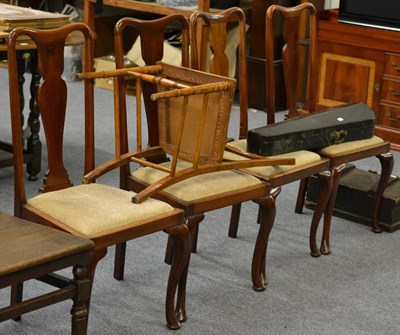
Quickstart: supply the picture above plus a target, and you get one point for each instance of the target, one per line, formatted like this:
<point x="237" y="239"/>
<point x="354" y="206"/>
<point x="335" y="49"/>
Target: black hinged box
<point x="355" y="196"/>
<point x="313" y="131"/>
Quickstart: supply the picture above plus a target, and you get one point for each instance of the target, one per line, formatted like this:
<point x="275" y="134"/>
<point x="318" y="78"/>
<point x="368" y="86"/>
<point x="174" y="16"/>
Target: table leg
<point x="34" y="145"/>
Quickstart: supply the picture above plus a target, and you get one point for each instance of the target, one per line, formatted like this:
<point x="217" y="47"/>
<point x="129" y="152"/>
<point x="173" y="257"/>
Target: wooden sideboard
<point x="359" y="63"/>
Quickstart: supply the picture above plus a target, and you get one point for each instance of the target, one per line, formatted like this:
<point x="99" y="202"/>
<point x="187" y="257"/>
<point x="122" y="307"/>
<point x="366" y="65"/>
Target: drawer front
<point x="391" y="91"/>
<point x="389" y="116"/>
<point x="392" y="65"/>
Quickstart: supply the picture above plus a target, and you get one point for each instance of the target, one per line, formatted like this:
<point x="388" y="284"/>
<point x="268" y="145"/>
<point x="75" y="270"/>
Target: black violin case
<point x="313" y="131"/>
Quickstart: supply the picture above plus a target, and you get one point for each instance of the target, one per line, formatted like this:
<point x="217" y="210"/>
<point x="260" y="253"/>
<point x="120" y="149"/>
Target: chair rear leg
<point x="301" y="195"/>
<point x="119" y="261"/>
<point x="387" y="162"/>
<point x="169" y="251"/>
<point x="195" y="235"/>
<point x="234" y="223"/>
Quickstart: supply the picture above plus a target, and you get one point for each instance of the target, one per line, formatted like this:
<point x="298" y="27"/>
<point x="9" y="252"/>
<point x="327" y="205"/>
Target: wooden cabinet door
<point x="348" y="74"/>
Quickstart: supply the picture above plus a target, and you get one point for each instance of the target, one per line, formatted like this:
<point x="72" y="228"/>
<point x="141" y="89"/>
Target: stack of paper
<point x="14" y="16"/>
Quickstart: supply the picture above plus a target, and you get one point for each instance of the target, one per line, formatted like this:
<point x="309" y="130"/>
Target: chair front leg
<point x="95" y="256"/>
<point x="325" y="248"/>
<point x="387" y="162"/>
<point x="326" y="189"/>
<point x="180" y="235"/>
<point x="267" y="211"/>
<point x="193" y="224"/>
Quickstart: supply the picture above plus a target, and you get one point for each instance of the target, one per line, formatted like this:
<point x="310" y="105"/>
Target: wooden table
<point x="30" y="131"/>
<point x="29" y="250"/>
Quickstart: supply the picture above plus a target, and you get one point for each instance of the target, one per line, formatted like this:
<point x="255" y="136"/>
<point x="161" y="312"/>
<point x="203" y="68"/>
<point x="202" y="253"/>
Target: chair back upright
<point x="154" y="31"/>
<point x="212" y="27"/>
<point x="298" y="57"/>
<point x="51" y="99"/>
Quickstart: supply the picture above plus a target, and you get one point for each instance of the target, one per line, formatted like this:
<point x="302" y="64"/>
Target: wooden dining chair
<point x="151" y="53"/>
<point x="101" y="213"/>
<point x="199" y="193"/>
<point x="299" y="32"/>
<point x="307" y="163"/>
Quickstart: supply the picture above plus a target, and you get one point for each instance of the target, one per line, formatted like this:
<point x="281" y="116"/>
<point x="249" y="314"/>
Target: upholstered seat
<point x="302" y="158"/>
<point x="203" y="186"/>
<point x="342" y="148"/>
<point x="94" y="208"/>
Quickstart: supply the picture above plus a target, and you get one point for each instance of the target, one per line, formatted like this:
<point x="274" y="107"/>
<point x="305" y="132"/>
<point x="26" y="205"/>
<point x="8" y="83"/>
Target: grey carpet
<point x="355" y="290"/>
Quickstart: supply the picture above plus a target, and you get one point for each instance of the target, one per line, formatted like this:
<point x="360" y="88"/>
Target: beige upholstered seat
<point x="203" y="186"/>
<point x="342" y="148"/>
<point x="302" y="157"/>
<point x="94" y="208"/>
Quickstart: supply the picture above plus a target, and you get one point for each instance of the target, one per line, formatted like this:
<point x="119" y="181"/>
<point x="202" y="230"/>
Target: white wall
<point x="331" y="4"/>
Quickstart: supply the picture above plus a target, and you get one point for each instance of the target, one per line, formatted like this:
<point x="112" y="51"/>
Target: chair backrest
<point x="214" y="26"/>
<point x="152" y="37"/>
<point x="51" y="99"/>
<point x="298" y="56"/>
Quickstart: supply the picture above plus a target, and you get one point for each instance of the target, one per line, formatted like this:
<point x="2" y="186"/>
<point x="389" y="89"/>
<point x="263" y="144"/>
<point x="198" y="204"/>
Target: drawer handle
<point x="396" y="67"/>
<point x="393" y="118"/>
<point x="392" y="90"/>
